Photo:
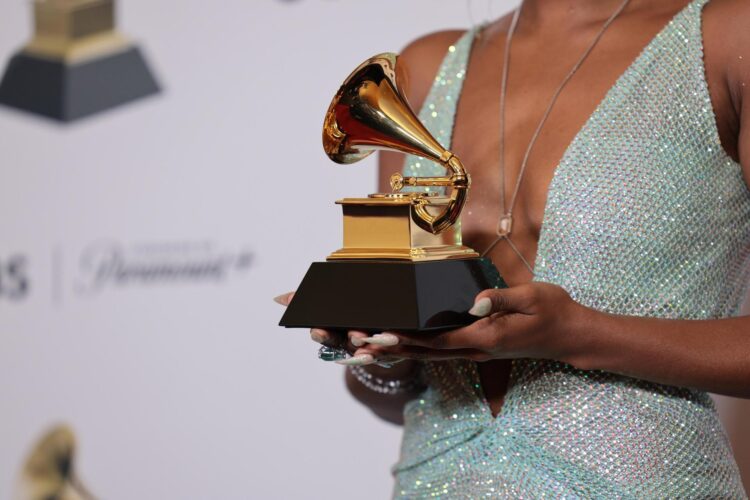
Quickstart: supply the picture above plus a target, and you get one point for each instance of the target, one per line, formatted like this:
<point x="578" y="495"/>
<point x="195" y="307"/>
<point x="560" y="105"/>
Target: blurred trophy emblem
<point x="402" y="265"/>
<point x="76" y="64"/>
<point x="48" y="473"/>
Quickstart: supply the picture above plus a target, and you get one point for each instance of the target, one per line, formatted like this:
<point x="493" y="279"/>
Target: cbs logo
<point x="14" y="281"/>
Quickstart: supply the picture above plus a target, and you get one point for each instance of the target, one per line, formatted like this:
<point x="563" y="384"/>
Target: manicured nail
<point x="284" y="299"/>
<point x="386" y="339"/>
<point x="318" y="336"/>
<point x="482" y="307"/>
<point x="359" y="360"/>
<point x="359" y="340"/>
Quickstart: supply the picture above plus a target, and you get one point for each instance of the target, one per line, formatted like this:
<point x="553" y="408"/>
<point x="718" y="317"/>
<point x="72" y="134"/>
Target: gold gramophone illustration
<point x="49" y="471"/>
<point x="402" y="266"/>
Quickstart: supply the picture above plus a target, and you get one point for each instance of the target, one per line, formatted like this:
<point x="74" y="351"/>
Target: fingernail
<point x="386" y="339"/>
<point x="358" y="341"/>
<point x="284" y="299"/>
<point x="317" y="335"/>
<point x="482" y="307"/>
<point x="359" y="360"/>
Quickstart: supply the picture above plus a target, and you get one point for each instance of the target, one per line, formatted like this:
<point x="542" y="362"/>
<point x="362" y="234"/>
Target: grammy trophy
<point x="402" y="265"/>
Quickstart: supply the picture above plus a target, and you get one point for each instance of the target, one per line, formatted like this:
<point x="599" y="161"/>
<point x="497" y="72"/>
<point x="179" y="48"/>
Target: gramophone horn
<point x="49" y="470"/>
<point x="370" y="112"/>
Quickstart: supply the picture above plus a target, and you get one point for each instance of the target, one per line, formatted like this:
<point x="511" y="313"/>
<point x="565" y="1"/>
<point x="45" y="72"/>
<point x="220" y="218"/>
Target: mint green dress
<point x="646" y="216"/>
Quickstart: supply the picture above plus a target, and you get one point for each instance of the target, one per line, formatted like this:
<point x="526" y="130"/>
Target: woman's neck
<point x="571" y="13"/>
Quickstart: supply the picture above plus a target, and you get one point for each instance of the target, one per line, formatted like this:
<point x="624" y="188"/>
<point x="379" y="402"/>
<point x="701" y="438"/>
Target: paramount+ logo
<point x="113" y="265"/>
<point x="105" y="266"/>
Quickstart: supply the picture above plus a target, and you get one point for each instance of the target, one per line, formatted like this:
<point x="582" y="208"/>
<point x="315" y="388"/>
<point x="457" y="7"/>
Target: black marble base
<point x="376" y="296"/>
<point x="67" y="92"/>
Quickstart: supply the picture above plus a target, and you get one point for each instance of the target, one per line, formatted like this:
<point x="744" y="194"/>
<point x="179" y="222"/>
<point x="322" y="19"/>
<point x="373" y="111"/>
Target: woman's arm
<point x="389" y="407"/>
<point x="712" y="355"/>
<point x="541" y="321"/>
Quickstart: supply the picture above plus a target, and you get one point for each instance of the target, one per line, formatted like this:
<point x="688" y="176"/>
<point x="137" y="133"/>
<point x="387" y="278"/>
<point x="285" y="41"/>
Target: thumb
<point x="513" y="299"/>
<point x="284" y="299"/>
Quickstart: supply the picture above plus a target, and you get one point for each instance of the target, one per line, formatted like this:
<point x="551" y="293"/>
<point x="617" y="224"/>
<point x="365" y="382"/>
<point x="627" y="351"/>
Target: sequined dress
<point x="646" y="216"/>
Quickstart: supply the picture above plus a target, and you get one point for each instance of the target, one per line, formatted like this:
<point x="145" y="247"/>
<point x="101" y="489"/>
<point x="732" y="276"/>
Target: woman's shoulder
<point x="421" y="60"/>
<point x="726" y="44"/>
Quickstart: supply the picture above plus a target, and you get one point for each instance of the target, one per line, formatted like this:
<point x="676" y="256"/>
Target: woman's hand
<point x="351" y="341"/>
<point x="534" y="320"/>
<point x="324" y="337"/>
<point x="387" y="406"/>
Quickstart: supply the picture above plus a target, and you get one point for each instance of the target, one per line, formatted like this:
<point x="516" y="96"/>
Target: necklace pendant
<point x="505" y="226"/>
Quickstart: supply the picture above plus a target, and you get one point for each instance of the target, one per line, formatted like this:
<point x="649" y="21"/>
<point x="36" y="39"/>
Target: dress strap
<point x="438" y="112"/>
<point x="699" y="4"/>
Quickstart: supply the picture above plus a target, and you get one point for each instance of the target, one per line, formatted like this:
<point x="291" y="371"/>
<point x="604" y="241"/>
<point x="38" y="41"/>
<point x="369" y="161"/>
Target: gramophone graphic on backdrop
<point x="49" y="471"/>
<point x="402" y="266"/>
<point x="76" y="64"/>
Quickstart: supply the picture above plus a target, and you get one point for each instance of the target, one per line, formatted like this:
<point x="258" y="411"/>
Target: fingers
<point x="502" y="314"/>
<point x="367" y="355"/>
<point x="517" y="299"/>
<point x="390" y="348"/>
<point x="359" y="359"/>
<point x="284" y="299"/>
<point x="479" y="336"/>
<point x="356" y="338"/>
<point x="497" y="310"/>
<point x="328" y="338"/>
<point x="384" y="339"/>
<point x="362" y="353"/>
<point x="351" y="341"/>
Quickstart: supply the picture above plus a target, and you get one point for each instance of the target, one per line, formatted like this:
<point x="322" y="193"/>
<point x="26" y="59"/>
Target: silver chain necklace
<point x="505" y="222"/>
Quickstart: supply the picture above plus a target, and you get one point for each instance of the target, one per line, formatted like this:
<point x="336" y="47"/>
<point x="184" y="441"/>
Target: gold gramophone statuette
<point x="401" y="266"/>
<point x="370" y="112"/>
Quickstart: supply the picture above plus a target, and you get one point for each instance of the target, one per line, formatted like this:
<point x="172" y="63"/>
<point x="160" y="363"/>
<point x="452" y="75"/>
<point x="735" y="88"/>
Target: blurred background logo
<point x="14" y="280"/>
<point x="113" y="265"/>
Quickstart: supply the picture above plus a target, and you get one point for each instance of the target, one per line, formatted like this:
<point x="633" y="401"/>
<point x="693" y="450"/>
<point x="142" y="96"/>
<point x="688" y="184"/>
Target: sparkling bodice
<point x="647" y="216"/>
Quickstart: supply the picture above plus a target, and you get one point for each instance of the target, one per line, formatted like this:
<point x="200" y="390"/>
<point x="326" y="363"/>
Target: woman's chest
<point x="605" y="124"/>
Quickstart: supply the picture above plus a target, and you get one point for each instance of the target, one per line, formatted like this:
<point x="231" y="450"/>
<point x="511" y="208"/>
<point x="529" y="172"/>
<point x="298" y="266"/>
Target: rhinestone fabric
<point x="646" y="216"/>
<point x="438" y="111"/>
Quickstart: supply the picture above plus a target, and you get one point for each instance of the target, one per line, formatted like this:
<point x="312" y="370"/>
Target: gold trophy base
<point x="391" y="274"/>
<point x="383" y="226"/>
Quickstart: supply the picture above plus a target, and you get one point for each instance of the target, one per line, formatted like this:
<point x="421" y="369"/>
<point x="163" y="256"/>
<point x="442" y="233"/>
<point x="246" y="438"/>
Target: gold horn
<point x="371" y="112"/>
<point x="49" y="470"/>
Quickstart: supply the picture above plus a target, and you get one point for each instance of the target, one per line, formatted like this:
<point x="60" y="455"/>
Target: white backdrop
<point x="186" y="388"/>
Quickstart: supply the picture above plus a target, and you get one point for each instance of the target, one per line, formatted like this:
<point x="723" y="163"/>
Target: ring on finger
<point x="327" y="353"/>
